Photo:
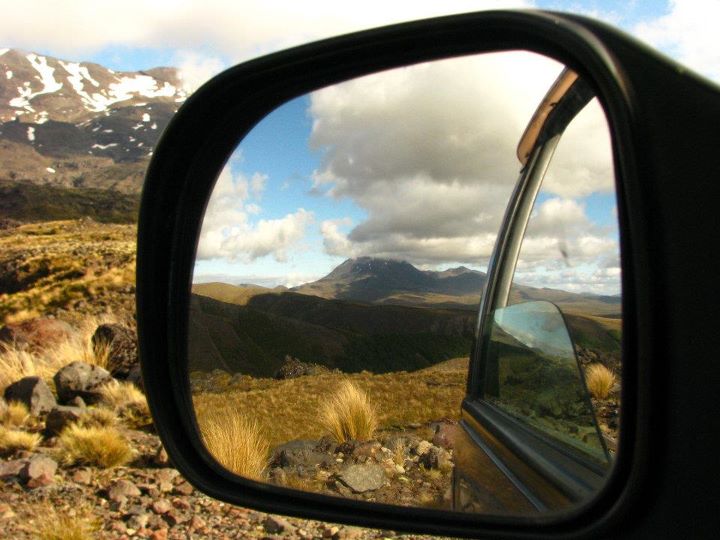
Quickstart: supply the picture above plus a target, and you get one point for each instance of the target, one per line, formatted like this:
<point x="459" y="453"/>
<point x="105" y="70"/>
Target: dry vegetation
<point x="600" y="380"/>
<point x="75" y="268"/>
<point x="100" y="446"/>
<point x="348" y="414"/>
<point x="13" y="440"/>
<point x="288" y="409"/>
<point x="14" y="414"/>
<point x="16" y="364"/>
<point x="235" y="440"/>
<point x="74" y="525"/>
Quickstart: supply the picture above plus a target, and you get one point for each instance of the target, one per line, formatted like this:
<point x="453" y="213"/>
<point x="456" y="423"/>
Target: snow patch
<point x="31" y="134"/>
<point x="107" y="130"/>
<point x="8" y="74"/>
<point x="104" y="146"/>
<point x="141" y="104"/>
<point x="3" y="51"/>
<point x="154" y="126"/>
<point x="42" y="117"/>
<point x="146" y="117"/>
<point x="46" y="77"/>
<point x="50" y="170"/>
<point x="137" y="126"/>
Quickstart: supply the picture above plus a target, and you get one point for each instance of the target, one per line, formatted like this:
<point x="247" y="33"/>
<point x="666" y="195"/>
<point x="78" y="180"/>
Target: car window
<point x="554" y="355"/>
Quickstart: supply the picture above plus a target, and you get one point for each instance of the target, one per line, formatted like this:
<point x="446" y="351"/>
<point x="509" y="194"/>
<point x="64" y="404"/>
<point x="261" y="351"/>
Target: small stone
<point x="77" y="401"/>
<point x="422" y="447"/>
<point x="183" y="488"/>
<point x="166" y="475"/>
<point x="196" y="522"/>
<point x="121" y="490"/>
<point x="82" y="476"/>
<point x="175" y="517"/>
<point x="138" y="521"/>
<point x="161" y="458"/>
<point x="182" y="504"/>
<point x="12" y="468"/>
<point x="165" y="487"/>
<point x="362" y="478"/>
<point x="331" y="532"/>
<point x="160" y="534"/>
<point x="39" y="471"/>
<point x="275" y="525"/>
<point x="161" y="506"/>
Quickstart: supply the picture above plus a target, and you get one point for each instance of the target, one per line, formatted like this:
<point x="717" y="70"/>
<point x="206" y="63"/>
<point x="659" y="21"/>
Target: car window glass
<point x="570" y="257"/>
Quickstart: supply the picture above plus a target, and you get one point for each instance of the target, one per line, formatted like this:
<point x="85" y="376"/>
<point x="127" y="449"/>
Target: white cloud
<point x="196" y="69"/>
<point x="688" y="32"/>
<point x="227" y="232"/>
<point x="237" y="30"/>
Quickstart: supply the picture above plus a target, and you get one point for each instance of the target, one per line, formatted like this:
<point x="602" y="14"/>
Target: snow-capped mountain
<point x="78" y="124"/>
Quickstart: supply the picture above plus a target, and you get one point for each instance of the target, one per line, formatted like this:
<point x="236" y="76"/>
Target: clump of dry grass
<point x="97" y="417"/>
<point x="13" y="440"/>
<point x="16" y="364"/>
<point x="128" y="402"/>
<point x="348" y="414"/>
<point x="234" y="440"/>
<point x="14" y="414"/>
<point x="101" y="446"/>
<point x="51" y="524"/>
<point x="599" y="380"/>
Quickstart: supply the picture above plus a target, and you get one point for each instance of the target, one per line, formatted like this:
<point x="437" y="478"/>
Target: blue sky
<point x="402" y="165"/>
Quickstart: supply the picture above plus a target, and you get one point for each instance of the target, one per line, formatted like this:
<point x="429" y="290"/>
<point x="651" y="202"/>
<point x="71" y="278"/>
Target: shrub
<point x="50" y="524"/>
<point x="128" y="402"/>
<point x="599" y="380"/>
<point x="13" y="414"/>
<point x="234" y="440"/>
<point x="13" y="440"/>
<point x="101" y="446"/>
<point x="348" y="414"/>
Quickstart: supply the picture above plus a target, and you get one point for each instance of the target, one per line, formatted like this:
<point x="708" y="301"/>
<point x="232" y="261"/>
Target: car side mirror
<point x="179" y="320"/>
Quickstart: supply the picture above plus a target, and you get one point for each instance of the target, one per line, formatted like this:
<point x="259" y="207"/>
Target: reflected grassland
<point x="288" y="433"/>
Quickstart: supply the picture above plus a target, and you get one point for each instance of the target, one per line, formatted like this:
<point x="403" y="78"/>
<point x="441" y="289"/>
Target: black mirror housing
<point x="664" y="132"/>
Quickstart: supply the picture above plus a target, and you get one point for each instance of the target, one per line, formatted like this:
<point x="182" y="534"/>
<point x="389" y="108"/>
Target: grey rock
<point x="38" y="471"/>
<point x="137" y="521"/>
<point x="12" y="468"/>
<point x="122" y="345"/>
<point x="362" y="478"/>
<point x="35" y="334"/>
<point x="276" y="525"/>
<point x="81" y="379"/>
<point x="60" y="417"/>
<point x="161" y="506"/>
<point x="445" y="435"/>
<point x="121" y="490"/>
<point x="299" y="453"/>
<point x="33" y="392"/>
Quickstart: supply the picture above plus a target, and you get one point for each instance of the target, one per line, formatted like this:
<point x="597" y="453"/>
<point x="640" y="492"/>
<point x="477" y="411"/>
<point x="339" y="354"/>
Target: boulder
<point x="60" y="417"/>
<point x="362" y="478"/>
<point x="292" y="368"/>
<point x="299" y="454"/>
<point x="122" y="348"/>
<point x="33" y="392"/>
<point x="36" y="334"/>
<point x="81" y="379"/>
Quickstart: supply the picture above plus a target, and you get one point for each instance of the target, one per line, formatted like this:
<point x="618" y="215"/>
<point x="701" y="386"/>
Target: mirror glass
<point x="340" y="266"/>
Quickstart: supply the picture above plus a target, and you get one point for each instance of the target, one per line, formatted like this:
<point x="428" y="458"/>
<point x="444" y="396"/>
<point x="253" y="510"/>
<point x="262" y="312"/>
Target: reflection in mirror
<point x="339" y="271"/>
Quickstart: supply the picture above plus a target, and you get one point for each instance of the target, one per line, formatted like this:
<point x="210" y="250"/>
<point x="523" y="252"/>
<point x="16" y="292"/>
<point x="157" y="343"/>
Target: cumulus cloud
<point x="227" y="232"/>
<point x="237" y="30"/>
<point x="687" y="32"/>
<point x="429" y="153"/>
<point x="196" y="69"/>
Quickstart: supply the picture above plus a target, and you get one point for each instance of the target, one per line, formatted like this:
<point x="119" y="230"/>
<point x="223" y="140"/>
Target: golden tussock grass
<point x="348" y="414"/>
<point x="101" y="446"/>
<point x="128" y="403"/>
<point x="13" y="440"/>
<point x="599" y="380"/>
<point x="73" y="524"/>
<point x="16" y="364"/>
<point x="287" y="409"/>
<point x="97" y="417"/>
<point x="14" y="414"/>
<point x="235" y="440"/>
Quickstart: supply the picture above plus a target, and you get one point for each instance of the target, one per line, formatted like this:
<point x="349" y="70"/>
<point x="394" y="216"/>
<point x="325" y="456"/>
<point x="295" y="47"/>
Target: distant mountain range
<point x="71" y="130"/>
<point x="374" y="314"/>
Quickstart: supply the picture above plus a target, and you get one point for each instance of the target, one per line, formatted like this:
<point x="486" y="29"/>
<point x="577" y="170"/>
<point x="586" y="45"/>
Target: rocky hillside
<point x="77" y="127"/>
